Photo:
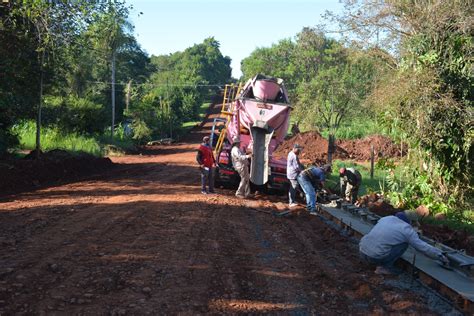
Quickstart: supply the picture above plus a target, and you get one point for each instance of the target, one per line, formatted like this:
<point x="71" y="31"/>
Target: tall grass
<point x="54" y="138"/>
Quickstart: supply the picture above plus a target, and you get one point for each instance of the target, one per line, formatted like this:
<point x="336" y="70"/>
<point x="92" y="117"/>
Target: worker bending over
<point x="312" y="180"/>
<point x="389" y="239"/>
<point x="350" y="183"/>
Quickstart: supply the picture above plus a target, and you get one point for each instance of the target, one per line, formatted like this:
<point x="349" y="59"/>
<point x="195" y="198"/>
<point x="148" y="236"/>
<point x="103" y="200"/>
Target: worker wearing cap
<point x="293" y="168"/>
<point x="206" y="162"/>
<point x="350" y="181"/>
<point x="389" y="239"/>
<point x="240" y="161"/>
<point x="311" y="180"/>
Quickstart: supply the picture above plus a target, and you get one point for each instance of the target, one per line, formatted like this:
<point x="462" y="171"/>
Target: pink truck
<point x="260" y="117"/>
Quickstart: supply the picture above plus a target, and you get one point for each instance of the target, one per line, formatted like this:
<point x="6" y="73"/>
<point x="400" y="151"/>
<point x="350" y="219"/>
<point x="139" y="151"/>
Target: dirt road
<point x="141" y="239"/>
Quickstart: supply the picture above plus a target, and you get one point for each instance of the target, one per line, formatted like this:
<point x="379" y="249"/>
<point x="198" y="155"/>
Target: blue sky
<point x="167" y="26"/>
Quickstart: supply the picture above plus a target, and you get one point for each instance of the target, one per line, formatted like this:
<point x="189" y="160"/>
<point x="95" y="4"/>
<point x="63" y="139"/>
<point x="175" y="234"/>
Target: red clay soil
<point x="457" y="239"/>
<point x="141" y="239"/>
<point x="316" y="147"/>
<point x="20" y="175"/>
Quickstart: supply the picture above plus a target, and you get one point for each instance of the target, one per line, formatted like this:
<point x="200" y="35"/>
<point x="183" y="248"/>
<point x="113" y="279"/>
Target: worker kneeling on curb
<point x="389" y="239"/>
<point x="312" y="180"/>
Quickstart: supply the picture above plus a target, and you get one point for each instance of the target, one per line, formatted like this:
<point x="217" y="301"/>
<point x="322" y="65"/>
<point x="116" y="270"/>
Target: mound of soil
<point x="376" y="204"/>
<point x="19" y="175"/>
<point x="457" y="239"/>
<point x="316" y="147"/>
<point x="359" y="149"/>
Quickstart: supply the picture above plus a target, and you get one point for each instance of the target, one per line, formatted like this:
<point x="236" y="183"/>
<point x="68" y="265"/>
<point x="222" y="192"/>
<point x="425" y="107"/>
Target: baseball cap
<point x="236" y="139"/>
<point x="408" y="216"/>
<point x="297" y="146"/>
<point x="205" y="138"/>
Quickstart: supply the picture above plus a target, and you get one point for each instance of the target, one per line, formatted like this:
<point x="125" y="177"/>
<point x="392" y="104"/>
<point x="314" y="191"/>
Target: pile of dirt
<point x="359" y="149"/>
<point x="457" y="239"/>
<point x="376" y="204"/>
<point x="316" y="147"/>
<point x="19" y="175"/>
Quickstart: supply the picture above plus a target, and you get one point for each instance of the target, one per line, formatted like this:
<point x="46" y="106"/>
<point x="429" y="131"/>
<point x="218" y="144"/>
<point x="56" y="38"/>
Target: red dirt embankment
<point x="316" y="147"/>
<point x="20" y="175"/>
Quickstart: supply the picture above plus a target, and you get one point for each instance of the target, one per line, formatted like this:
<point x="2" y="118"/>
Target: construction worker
<point x="240" y="161"/>
<point x="350" y="181"/>
<point x="389" y="239"/>
<point x="293" y="168"/>
<point x="206" y="162"/>
<point x="312" y="180"/>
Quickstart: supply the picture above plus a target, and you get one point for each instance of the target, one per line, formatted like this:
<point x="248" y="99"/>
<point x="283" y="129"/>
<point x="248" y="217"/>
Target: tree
<point x="178" y="85"/>
<point x="435" y="50"/>
<point x="50" y="23"/>
<point x="110" y="34"/>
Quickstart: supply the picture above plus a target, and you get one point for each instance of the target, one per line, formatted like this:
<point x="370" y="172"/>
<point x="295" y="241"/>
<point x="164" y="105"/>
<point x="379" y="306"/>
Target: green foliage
<point x="74" y="114"/>
<point x="178" y="86"/>
<point x="327" y="82"/>
<point x="55" y="138"/>
<point x="427" y="100"/>
<point x="141" y="132"/>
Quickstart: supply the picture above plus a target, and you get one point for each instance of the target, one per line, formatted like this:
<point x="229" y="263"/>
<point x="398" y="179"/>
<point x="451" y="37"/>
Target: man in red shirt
<point x="206" y="162"/>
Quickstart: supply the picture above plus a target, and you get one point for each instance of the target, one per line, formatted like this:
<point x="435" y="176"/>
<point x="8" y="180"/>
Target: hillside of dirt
<point x="316" y="147"/>
<point x="20" y="175"/>
<point x="141" y="239"/>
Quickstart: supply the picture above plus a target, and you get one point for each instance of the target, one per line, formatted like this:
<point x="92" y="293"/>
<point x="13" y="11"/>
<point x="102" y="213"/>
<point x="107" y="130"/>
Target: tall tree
<point x="50" y="23"/>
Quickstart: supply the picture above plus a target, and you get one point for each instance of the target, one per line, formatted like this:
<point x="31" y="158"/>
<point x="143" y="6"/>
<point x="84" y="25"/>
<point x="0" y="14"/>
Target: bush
<point x="141" y="132"/>
<point x="74" y="114"/>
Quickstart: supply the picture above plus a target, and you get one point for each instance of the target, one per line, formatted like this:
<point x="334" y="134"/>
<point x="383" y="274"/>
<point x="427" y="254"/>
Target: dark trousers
<point x="389" y="260"/>
<point x="207" y="179"/>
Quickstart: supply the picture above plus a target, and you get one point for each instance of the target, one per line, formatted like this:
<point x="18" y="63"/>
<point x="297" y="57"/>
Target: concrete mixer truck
<point x="258" y="113"/>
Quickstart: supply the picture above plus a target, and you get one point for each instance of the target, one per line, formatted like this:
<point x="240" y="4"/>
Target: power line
<point x="172" y="84"/>
<point x="160" y="84"/>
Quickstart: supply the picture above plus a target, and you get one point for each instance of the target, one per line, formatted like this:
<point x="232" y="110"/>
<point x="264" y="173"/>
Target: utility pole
<point x="40" y="105"/>
<point x="129" y="95"/>
<point x="169" y="106"/>
<point x="113" y="96"/>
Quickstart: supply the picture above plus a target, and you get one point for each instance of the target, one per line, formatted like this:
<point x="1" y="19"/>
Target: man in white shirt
<point x="389" y="239"/>
<point x="293" y="168"/>
<point x="240" y="161"/>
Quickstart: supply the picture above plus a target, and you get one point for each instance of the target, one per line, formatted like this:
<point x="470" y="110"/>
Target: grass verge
<point x="54" y="138"/>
